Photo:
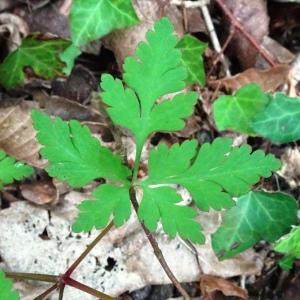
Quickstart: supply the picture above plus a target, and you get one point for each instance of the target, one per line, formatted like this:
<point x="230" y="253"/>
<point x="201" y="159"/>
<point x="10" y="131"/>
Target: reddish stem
<point x="247" y="35"/>
<point x="89" y="248"/>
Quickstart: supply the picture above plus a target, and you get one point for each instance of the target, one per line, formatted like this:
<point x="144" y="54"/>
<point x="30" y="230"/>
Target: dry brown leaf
<point x="40" y="192"/>
<point x="77" y="87"/>
<point x="67" y="109"/>
<point x="290" y="170"/>
<point x="17" y="136"/>
<point x="192" y="125"/>
<point x="16" y="28"/>
<point x="4" y="4"/>
<point x="124" y="42"/>
<point x="216" y="288"/>
<point x="194" y="21"/>
<point x="48" y="20"/>
<point x="282" y="54"/>
<point x="254" y="18"/>
<point x="270" y="80"/>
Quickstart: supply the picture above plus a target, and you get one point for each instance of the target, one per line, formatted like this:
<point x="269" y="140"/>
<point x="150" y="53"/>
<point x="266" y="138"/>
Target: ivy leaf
<point x="214" y="174"/>
<point x="68" y="57"/>
<point x="6" y="289"/>
<point x="42" y="56"/>
<point x="279" y="121"/>
<point x="155" y="70"/>
<point x="11" y="170"/>
<point x="286" y="263"/>
<point x="162" y="204"/>
<point x="108" y="200"/>
<point x="238" y="111"/>
<point x="192" y="50"/>
<point x="90" y="20"/>
<point x="73" y="154"/>
<point x="289" y="244"/>
<point x="256" y="216"/>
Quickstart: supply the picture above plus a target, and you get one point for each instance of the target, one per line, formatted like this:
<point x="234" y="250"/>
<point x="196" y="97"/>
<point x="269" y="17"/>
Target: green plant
<point x="37" y="52"/>
<point x="275" y="117"/>
<point x="214" y="174"/>
<point x="6" y="292"/>
<point x="49" y="58"/>
<point x="289" y="245"/>
<point x="10" y="170"/>
<point x="251" y="111"/>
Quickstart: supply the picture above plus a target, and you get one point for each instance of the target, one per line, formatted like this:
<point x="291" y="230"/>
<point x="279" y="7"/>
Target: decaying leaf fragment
<point x="215" y="288"/>
<point x="254" y="18"/>
<point x="270" y="80"/>
<point x="17" y="136"/>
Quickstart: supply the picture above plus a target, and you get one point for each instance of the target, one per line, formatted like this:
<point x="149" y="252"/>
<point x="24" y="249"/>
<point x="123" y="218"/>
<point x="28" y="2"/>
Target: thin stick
<point x="47" y="292"/>
<point x="157" y="250"/>
<point x="89" y="248"/>
<point x="234" y="21"/>
<point x="87" y="289"/>
<point x="214" y="38"/>
<point x="202" y="4"/>
<point x="32" y="276"/>
<point x="61" y="291"/>
<point x="224" y="47"/>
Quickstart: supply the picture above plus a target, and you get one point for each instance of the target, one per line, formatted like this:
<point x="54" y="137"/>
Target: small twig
<point x="157" y="250"/>
<point x="247" y="35"/>
<point x="224" y="47"/>
<point x="214" y="38"/>
<point x="88" y="250"/>
<point x="46" y="293"/>
<point x="80" y="286"/>
<point x="61" y="292"/>
<point x="190" y="4"/>
<point x="32" y="276"/>
<point x="65" y="279"/>
<point x="202" y="4"/>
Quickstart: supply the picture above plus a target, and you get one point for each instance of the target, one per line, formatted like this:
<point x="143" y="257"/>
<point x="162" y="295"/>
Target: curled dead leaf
<point x="16" y="27"/>
<point x="40" y="192"/>
<point x="17" y="136"/>
<point x="270" y="80"/>
<point x="216" y="288"/>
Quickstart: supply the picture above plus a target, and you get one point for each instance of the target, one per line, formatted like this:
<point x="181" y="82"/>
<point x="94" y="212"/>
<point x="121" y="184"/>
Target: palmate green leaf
<point x="108" y="200"/>
<point x="279" y="121"/>
<point x="73" y="154"/>
<point x="289" y="244"/>
<point x="155" y="70"/>
<point x="42" y="56"/>
<point x="92" y="19"/>
<point x="162" y="204"/>
<point x="214" y="174"/>
<point x="256" y="216"/>
<point x="237" y="112"/>
<point x="11" y="170"/>
<point x="192" y="50"/>
<point x="6" y="289"/>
